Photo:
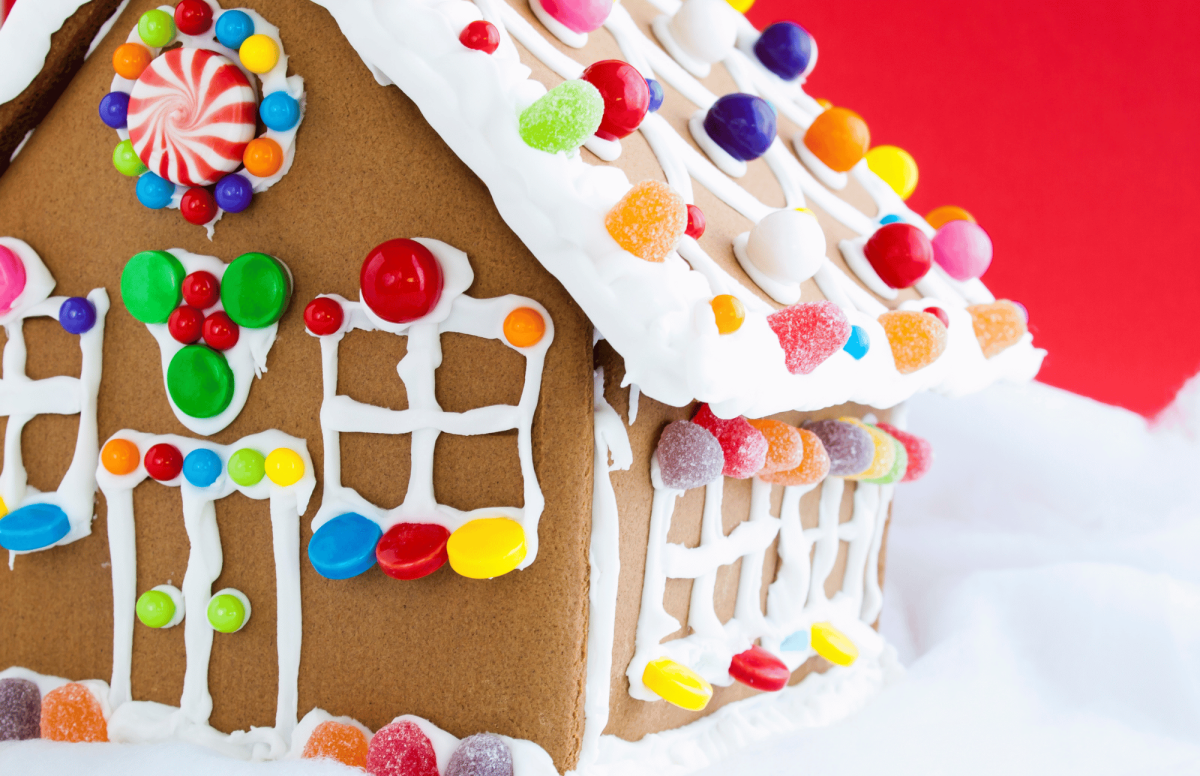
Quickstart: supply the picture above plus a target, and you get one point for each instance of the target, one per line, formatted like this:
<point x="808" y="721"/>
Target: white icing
<point x="726" y="163"/>
<point x="239" y="595"/>
<point x="25" y="41"/>
<point x="854" y="252"/>
<point x="20" y="146"/>
<point x="605" y="150"/>
<point x="698" y="35"/>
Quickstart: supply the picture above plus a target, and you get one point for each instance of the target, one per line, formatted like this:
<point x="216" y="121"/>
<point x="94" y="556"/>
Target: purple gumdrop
<point x="851" y="449"/>
<point x="483" y="754"/>
<point x="20" y="710"/>
<point x="963" y="249"/>
<point x="688" y="456"/>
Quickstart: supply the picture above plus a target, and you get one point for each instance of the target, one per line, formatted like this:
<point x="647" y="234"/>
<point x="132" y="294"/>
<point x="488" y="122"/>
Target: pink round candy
<point x="12" y="278"/>
<point x="963" y="249"/>
<point x="579" y="15"/>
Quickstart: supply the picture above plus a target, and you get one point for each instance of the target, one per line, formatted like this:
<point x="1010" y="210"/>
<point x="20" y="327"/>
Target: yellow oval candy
<point x="677" y="684"/>
<point x="896" y="167"/>
<point x="486" y="548"/>
<point x="284" y="466"/>
<point x="833" y="645"/>
<point x="885" y="452"/>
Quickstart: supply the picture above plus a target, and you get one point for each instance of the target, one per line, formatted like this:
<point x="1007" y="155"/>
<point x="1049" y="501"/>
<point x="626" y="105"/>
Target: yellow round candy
<point x="730" y="313"/>
<point x="741" y="6"/>
<point x="259" y="53"/>
<point x="677" y="684"/>
<point x="486" y="548"/>
<point x="284" y="466"/>
<point x="833" y="645"/>
<point x="946" y="213"/>
<point x="885" y="452"/>
<point x="896" y="166"/>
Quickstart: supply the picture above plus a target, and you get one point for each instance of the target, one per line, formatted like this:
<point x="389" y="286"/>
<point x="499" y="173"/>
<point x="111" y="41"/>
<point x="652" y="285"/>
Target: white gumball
<point x="787" y="246"/>
<point x="705" y="29"/>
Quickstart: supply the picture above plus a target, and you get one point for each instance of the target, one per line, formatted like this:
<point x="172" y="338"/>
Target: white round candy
<point x="705" y="29"/>
<point x="787" y="246"/>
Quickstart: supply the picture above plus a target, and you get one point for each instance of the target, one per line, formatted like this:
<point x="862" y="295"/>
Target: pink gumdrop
<point x="401" y="749"/>
<point x="963" y="249"/>
<point x="744" y="446"/>
<point x="12" y="278"/>
<point x="579" y="15"/>
<point x="920" y="451"/>
<point x="809" y="332"/>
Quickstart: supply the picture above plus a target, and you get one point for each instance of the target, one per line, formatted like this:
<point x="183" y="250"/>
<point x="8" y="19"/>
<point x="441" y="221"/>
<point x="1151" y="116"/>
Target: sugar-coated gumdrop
<point x="625" y="93"/>
<point x="809" y="333"/>
<point x="677" y="684"/>
<point x="920" y="452"/>
<point x="813" y="468"/>
<point x="785" y="446"/>
<point x="946" y="213"/>
<point x="998" y="326"/>
<point x="483" y="754"/>
<point x="850" y="448"/>
<point x="412" y="550"/>
<point x="833" y="645"/>
<point x="12" y="278"/>
<point x="401" y="749"/>
<point x="917" y="339"/>
<point x="787" y="245"/>
<point x="337" y="741"/>
<point x="744" y="125"/>
<point x="401" y="280"/>
<point x="744" y="446"/>
<point x="759" y="669"/>
<point x="895" y="167"/>
<point x="963" y="249"/>
<point x="695" y="222"/>
<point x="563" y="118"/>
<point x="899" y="467"/>
<point x="688" y="456"/>
<point x="486" y="548"/>
<point x="900" y="254"/>
<point x="787" y="50"/>
<point x="186" y="324"/>
<point x="883" y="454"/>
<point x="940" y="314"/>
<point x="72" y="713"/>
<point x="480" y="35"/>
<point x="729" y="313"/>
<point x="20" y="709"/>
<point x="648" y="221"/>
<point x="579" y="15"/>
<point x="839" y="138"/>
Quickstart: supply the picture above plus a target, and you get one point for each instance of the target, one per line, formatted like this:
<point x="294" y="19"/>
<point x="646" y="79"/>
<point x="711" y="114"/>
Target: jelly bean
<point x="233" y="193"/>
<point x="20" y="709"/>
<point x="850" y="448"/>
<point x="648" y="221"/>
<point x="998" y="326"/>
<point x="963" y="249"/>
<point x="656" y="95"/>
<point x="155" y="608"/>
<point x="228" y="611"/>
<point x="193" y="17"/>
<point x="809" y="333"/>
<point x="483" y="754"/>
<point x="130" y="59"/>
<point x="259" y="53"/>
<point x="197" y="206"/>
<point x="833" y="645"/>
<point x="729" y="313"/>
<point x="706" y="30"/>
<point x="688" y="455"/>
<point x="940" y="314"/>
<point x="220" y="332"/>
<point x="677" y="684"/>
<point x="233" y="27"/>
<point x="344" y="546"/>
<point x="200" y="382"/>
<point x="72" y="713"/>
<point x="918" y="450"/>
<point x="401" y="749"/>
<point x="839" y="138"/>
<point x="77" y="315"/>
<point x="201" y="289"/>
<point x="785" y="446"/>
<point x="263" y="157"/>
<point x="900" y="254"/>
<point x="255" y="290"/>
<point x="156" y="28"/>
<point x="524" y="327"/>
<point x="899" y="467"/>
<point x="742" y="124"/>
<point x="284" y="466"/>
<point x="247" y="467"/>
<point x="412" y="550"/>
<point x="917" y="339"/>
<point x="859" y="343"/>
<point x="486" y="548"/>
<point x="323" y="316"/>
<point x="337" y="741"/>
<point x="940" y="216"/>
<point x="563" y="118"/>
<point x="695" y="222"/>
<point x="202" y="467"/>
<point x="625" y="93"/>
<point x="12" y="278"/>
<point x="163" y="462"/>
<point x="895" y="167"/>
<point x="883" y="452"/>
<point x="114" y="109"/>
<point x="33" y="527"/>
<point x="800" y="641"/>
<point x="126" y="160"/>
<point x="279" y="111"/>
<point x="787" y="50"/>
<point x="151" y="285"/>
<point x="578" y="15"/>
<point x="891" y="218"/>
<point x="154" y="192"/>
<point x="787" y="245"/>
<point x="120" y="457"/>
<point x="401" y="281"/>
<point x="480" y="35"/>
<point x="186" y="324"/>
<point x="744" y="446"/>
<point x="813" y="468"/>
<point x="759" y="669"/>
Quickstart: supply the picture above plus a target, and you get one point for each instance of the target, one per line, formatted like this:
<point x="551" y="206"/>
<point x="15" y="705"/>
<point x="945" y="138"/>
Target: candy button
<point x="77" y="315"/>
<point x="33" y="527"/>
<point x="839" y="138"/>
<point x="742" y="124"/>
<point x="401" y="749"/>
<point x="12" y="278"/>
<point x="233" y="193"/>
<point x="833" y="645"/>
<point x="219" y="332"/>
<point x="677" y="684"/>
<point x="883" y="456"/>
<point x="200" y="382"/>
<point x="729" y="313"/>
<point x="998" y="325"/>
<point x="263" y="157"/>
<point x="233" y="27"/>
<point x="228" y="611"/>
<point x="785" y="446"/>
<point x="156" y="28"/>
<point x="656" y="95"/>
<point x="247" y="467"/>
<point x="151" y="285"/>
<point x="323" y="316"/>
<point x="759" y="669"/>
<point x="259" y="53"/>
<point x="917" y="339"/>
<point x="201" y="289"/>
<point x="120" y="457"/>
<point x="163" y="462"/>
<point x="480" y="35"/>
<point x="344" y="547"/>
<point x="20" y="709"/>
<point x="157" y="608"/>
<point x="337" y="741"/>
<point x="154" y="191"/>
<point x="800" y="641"/>
<point x="193" y="17"/>
<point x="255" y="290"/>
<point x="412" y="550"/>
<point x="486" y="548"/>
<point x="483" y="754"/>
<point x="809" y="333"/>
<point x="813" y="468"/>
<point x="185" y="324"/>
<point x="126" y="160"/>
<point x="284" y="466"/>
<point x="202" y="467"/>
<point x="940" y="216"/>
<point x="114" y="109"/>
<point x="401" y="281"/>
<point x="198" y="206"/>
<point x="787" y="50"/>
<point x="625" y="93"/>
<point x="563" y="118"/>
<point x="858" y="344"/>
<point x="648" y="221"/>
<point x="279" y="111"/>
<point x="688" y="456"/>
<point x="895" y="167"/>
<point x="900" y="254"/>
<point x="524" y="327"/>
<point x="744" y="447"/>
<point x="130" y="59"/>
<point x="71" y="713"/>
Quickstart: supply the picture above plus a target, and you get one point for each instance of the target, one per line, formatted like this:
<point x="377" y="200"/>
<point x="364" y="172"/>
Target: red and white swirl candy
<point x="191" y="114"/>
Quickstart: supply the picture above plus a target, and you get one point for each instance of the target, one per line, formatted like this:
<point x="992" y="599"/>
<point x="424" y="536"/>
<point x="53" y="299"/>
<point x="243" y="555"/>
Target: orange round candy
<point x="336" y="741"/>
<point x="730" y="313"/>
<point x="947" y="213"/>
<point x="917" y="339"/>
<point x="812" y="469"/>
<point x="524" y="327"/>
<point x="120" y="456"/>
<point x="263" y="157"/>
<point x="998" y="326"/>
<point x="72" y="713"/>
<point x="838" y="137"/>
<point x="130" y="59"/>
<point x="785" y="446"/>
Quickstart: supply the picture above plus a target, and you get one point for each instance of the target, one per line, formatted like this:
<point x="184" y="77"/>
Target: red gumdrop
<point x="412" y="550"/>
<point x="480" y="36"/>
<point x="401" y="281"/>
<point x="809" y="333"/>
<point x="759" y="669"/>
<point x="220" y="332"/>
<point x="744" y="446"/>
<point x="201" y="289"/>
<point x="900" y="253"/>
<point x="696" y="222"/>
<point x="193" y="17"/>
<point x="198" y="206"/>
<point x="186" y="324"/>
<point x="323" y="316"/>
<point x="940" y="314"/>
<point x="401" y="749"/>
<point x="163" y="462"/>
<point x="920" y="452"/>
<point x="626" y="97"/>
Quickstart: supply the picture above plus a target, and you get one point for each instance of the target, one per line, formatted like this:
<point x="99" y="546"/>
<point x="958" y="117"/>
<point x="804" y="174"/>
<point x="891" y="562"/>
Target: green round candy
<point x="155" y="609"/>
<point x="126" y="160"/>
<point x="200" y="381"/>
<point x="247" y="467"/>
<point x="255" y="290"/>
<point x="226" y="613"/>
<point x="156" y="28"/>
<point x="152" y="285"/>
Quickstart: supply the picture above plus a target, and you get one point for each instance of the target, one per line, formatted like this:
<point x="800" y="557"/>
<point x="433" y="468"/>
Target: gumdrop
<point x="917" y="339"/>
<point x="883" y="456"/>
<point x="401" y="749"/>
<point x="688" y="456"/>
<point x="809" y="332"/>
<point x="813" y="469"/>
<point x="998" y="326"/>
<point x="649" y="221"/>
<point x="759" y="669"/>
<point x="72" y="713"/>
<point x="920" y="452"/>
<point x="563" y="118"/>
<point x="337" y="741"/>
<point x="899" y="468"/>
<point x="483" y="754"/>
<point x="785" y="446"/>
<point x="849" y="447"/>
<point x="20" y="709"/>
<point x="744" y="446"/>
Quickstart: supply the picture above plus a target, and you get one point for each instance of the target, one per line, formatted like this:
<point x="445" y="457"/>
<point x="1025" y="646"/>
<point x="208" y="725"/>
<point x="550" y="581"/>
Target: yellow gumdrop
<point x="649" y="221"/>
<point x="998" y="326"/>
<point x="833" y="645"/>
<point x="259" y="53"/>
<point x="741" y="6"/>
<point x="486" y="548"/>
<point x="947" y="213"/>
<point x="284" y="466"/>
<point x="885" y="452"/>
<point x="917" y="339"/>
<point x="677" y="684"/>
<point x="896" y="167"/>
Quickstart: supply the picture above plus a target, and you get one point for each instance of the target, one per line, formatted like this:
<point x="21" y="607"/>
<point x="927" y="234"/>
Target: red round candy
<point x="193" y="17"/>
<point x="626" y="97"/>
<point x="220" y="332"/>
<point x="323" y="316"/>
<point x="163" y="462"/>
<point x="198" y="206"/>
<point x="481" y="36"/>
<point x="940" y="314"/>
<point x="696" y="222"/>
<point x="900" y="253"/>
<point x="759" y="669"/>
<point x="201" y="289"/>
<point x="412" y="550"/>
<point x="186" y="324"/>
<point x="401" y="281"/>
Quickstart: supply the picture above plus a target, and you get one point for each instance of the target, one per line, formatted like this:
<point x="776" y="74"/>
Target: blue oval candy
<point x="202" y="467"/>
<point x="344" y="547"/>
<point x="742" y="124"/>
<point x="33" y="527"/>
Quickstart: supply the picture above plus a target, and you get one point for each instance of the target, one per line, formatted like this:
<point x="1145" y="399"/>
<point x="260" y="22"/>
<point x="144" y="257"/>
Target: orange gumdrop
<point x="785" y="447"/>
<point x="998" y="325"/>
<point x="917" y="339"/>
<point x="947" y="213"/>
<point x="336" y="741"/>
<point x="72" y="713"/>
<point x="524" y="327"/>
<point x="263" y="157"/>
<point x="838" y="137"/>
<point x="812" y="469"/>
<point x="120" y="456"/>
<point x="130" y="59"/>
<point x="649" y="221"/>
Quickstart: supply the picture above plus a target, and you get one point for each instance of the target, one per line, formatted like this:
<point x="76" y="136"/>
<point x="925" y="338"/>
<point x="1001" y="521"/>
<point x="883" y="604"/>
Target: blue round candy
<point x="656" y="94"/>
<point x="890" y="218"/>
<point x="114" y="109"/>
<point x="77" y="315"/>
<point x="233" y="27"/>
<point x="786" y="49"/>
<point x="858" y="344"/>
<point x="742" y="124"/>
<point x="344" y="547"/>
<point x="279" y="111"/>
<point x="33" y="527"/>
<point x="202" y="467"/>
<point x="153" y="191"/>
<point x="233" y="193"/>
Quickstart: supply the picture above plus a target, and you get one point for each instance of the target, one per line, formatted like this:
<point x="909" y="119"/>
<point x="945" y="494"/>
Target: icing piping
<point x="25" y="41"/>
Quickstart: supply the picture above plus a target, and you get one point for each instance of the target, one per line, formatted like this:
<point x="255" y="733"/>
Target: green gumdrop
<point x="247" y="467"/>
<point x="155" y="608"/>
<point x="151" y="286"/>
<point x="226" y="613"/>
<point x="899" y="468"/>
<point x="563" y="118"/>
<point x="126" y="160"/>
<point x="200" y="381"/>
<point x="255" y="290"/>
<point x="156" y="28"/>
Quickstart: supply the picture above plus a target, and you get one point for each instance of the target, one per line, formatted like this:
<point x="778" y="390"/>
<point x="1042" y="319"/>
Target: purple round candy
<point x="20" y="710"/>
<point x="233" y="193"/>
<point x="963" y="249"/>
<point x="688" y="456"/>
<point x="77" y="315"/>
<point x="786" y="49"/>
<point x="742" y="124"/>
<point x="483" y="754"/>
<point x="851" y="449"/>
<point x="114" y="108"/>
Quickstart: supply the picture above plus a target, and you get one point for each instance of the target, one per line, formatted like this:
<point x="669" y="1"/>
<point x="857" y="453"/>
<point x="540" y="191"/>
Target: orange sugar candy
<point x="785" y="447"/>
<point x="812" y="469"/>
<point x="947" y="213"/>
<point x="130" y="59"/>
<point x="917" y="339"/>
<point x="998" y="326"/>
<point x="649" y="221"/>
<point x="838" y="137"/>
<point x="337" y="741"/>
<point x="72" y="713"/>
<point x="885" y="452"/>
